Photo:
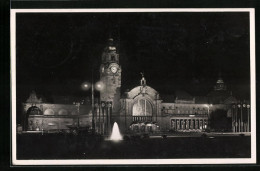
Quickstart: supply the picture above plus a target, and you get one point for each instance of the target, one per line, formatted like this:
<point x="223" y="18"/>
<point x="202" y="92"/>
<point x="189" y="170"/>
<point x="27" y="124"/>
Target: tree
<point x="219" y="120"/>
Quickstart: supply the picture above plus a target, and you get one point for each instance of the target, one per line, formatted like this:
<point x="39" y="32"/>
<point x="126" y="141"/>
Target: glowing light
<point x="99" y="86"/>
<point x="86" y="86"/>
<point x="115" y="136"/>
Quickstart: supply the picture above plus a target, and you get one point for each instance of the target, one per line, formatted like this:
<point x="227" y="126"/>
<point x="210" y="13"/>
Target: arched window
<point x="34" y="111"/>
<point x="62" y="112"/>
<point x="142" y="108"/>
<point x="112" y="58"/>
<point x="48" y="112"/>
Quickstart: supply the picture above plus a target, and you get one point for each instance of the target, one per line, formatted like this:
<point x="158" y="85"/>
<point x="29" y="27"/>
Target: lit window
<point x="142" y="108"/>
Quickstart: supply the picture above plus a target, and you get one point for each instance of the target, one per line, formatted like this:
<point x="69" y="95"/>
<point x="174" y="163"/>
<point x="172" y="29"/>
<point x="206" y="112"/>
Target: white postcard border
<point x="251" y="160"/>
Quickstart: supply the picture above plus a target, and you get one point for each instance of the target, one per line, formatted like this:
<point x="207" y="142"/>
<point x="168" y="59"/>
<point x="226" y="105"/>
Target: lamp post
<point x="233" y="118"/>
<point x="243" y="121"/>
<point x="98" y="86"/>
<point x="239" y="120"/>
<point x="248" y="118"/>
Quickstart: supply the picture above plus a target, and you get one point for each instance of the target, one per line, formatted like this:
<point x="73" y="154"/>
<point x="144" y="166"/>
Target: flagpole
<point x="236" y="119"/>
<point x="92" y="104"/>
<point x="242" y="124"/>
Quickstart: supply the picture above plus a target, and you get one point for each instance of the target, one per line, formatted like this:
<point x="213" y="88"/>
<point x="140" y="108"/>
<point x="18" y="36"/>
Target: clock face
<point x="113" y="69"/>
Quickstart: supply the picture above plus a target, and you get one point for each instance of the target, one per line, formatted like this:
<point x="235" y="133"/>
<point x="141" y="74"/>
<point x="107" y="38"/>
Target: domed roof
<point x="220" y="81"/>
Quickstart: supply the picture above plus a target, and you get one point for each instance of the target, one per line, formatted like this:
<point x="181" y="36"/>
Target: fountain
<point x="115" y="136"/>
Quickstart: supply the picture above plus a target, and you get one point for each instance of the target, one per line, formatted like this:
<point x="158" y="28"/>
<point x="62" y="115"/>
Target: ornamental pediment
<point x="143" y="91"/>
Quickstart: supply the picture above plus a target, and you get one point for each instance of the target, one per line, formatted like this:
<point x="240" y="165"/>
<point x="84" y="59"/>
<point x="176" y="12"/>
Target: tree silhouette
<point x="219" y="120"/>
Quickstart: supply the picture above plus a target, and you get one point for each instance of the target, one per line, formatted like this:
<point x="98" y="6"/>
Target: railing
<point x="142" y="118"/>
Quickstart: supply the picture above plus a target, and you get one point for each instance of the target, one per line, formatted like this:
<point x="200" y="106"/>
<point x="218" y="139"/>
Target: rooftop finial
<point x="142" y="74"/>
<point x="143" y="81"/>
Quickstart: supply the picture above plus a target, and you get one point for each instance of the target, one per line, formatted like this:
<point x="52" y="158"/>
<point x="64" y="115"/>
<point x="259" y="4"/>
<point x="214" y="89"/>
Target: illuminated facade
<point x="141" y="109"/>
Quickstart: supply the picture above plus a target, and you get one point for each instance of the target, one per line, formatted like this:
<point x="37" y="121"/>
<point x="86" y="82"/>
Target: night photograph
<point x="132" y="85"/>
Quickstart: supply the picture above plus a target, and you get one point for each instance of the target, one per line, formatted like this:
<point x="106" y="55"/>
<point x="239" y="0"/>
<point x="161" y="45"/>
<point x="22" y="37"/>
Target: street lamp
<point x="98" y="86"/>
<point x="248" y="120"/>
<point x="234" y="122"/>
<point x="239" y="120"/>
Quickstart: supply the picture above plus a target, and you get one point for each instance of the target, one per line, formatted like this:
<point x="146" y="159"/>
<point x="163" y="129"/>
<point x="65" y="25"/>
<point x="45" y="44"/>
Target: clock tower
<point x="110" y="76"/>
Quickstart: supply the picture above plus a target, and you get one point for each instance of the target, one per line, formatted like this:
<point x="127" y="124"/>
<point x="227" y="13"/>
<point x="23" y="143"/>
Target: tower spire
<point x="220" y="85"/>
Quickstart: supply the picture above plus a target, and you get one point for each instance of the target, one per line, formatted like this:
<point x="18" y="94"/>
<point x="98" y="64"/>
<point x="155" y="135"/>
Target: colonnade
<point x="182" y="124"/>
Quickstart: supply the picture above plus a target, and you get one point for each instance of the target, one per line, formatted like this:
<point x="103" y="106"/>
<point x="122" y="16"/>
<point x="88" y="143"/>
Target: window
<point x="142" y="108"/>
<point x="112" y="57"/>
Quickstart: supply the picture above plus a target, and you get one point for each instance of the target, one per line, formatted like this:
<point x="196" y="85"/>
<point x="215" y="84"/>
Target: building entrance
<point x="142" y="111"/>
<point x="144" y="127"/>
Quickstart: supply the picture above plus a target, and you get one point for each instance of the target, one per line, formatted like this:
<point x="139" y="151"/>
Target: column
<point x="145" y="107"/>
<point x="232" y="117"/>
<point x="103" y="118"/>
<point x="239" y="125"/>
<point x="248" y="118"/>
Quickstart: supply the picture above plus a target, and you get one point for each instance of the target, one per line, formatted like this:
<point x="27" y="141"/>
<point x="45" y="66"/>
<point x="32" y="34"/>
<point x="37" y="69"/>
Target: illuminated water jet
<point x="115" y="136"/>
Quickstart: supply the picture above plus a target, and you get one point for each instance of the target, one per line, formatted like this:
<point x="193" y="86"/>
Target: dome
<point x="220" y="81"/>
<point x="34" y="110"/>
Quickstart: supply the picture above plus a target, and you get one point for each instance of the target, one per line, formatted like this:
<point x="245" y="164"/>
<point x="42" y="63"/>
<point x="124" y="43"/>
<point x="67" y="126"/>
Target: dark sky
<point x="56" y="52"/>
